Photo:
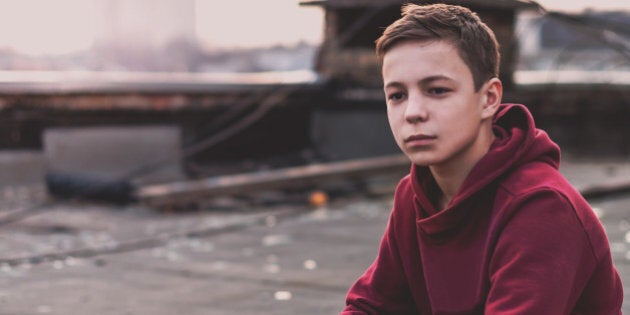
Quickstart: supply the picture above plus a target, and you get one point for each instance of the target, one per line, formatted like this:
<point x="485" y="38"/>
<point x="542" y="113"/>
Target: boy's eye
<point x="396" y="96"/>
<point x="438" y="91"/>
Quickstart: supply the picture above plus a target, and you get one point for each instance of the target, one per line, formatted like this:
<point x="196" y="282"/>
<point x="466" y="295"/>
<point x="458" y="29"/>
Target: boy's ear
<point x="492" y="91"/>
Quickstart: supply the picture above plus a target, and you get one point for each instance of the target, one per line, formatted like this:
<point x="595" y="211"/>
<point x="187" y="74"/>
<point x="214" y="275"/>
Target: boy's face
<point x="435" y="114"/>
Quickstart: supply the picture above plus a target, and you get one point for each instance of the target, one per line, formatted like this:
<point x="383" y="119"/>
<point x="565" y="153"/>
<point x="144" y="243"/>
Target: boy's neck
<point x="450" y="176"/>
<point x="449" y="181"/>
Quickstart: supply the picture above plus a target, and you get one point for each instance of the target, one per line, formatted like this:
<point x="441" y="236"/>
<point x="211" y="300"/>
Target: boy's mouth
<point x="419" y="140"/>
<point x="419" y="137"/>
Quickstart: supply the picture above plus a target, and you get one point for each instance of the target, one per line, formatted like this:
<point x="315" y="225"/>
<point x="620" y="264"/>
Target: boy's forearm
<point x="383" y="288"/>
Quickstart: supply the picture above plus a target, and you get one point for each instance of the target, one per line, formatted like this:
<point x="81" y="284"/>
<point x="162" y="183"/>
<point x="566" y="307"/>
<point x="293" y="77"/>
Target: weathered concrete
<point x="286" y="259"/>
<point x="21" y="167"/>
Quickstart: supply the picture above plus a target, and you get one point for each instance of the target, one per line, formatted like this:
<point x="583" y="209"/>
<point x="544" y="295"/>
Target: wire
<point x="267" y="102"/>
<point x="538" y="6"/>
<point x="277" y="95"/>
<point x="594" y="31"/>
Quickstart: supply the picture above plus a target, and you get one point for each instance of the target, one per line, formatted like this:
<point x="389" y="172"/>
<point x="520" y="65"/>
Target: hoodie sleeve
<point x="544" y="262"/>
<point x="383" y="288"/>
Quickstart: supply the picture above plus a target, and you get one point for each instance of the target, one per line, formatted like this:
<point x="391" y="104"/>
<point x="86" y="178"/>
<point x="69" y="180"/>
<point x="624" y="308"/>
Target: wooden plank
<point x="605" y="190"/>
<point x="186" y="191"/>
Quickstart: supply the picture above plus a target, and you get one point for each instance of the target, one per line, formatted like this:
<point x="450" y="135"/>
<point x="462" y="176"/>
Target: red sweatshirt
<point x="516" y="239"/>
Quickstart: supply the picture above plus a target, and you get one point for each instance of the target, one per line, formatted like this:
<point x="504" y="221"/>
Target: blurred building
<point x="145" y="35"/>
<point x="338" y="115"/>
<point x="575" y="43"/>
<point x="144" y="23"/>
<point x="352" y="26"/>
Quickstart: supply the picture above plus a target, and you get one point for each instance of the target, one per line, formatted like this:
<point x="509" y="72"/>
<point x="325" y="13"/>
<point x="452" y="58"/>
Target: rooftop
<point x="503" y="4"/>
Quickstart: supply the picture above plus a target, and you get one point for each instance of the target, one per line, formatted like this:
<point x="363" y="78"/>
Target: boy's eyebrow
<point x="434" y="78"/>
<point x="424" y="81"/>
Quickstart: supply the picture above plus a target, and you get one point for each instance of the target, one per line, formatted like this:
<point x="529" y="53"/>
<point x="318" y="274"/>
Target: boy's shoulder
<point x="539" y="188"/>
<point x="534" y="186"/>
<point x="532" y="177"/>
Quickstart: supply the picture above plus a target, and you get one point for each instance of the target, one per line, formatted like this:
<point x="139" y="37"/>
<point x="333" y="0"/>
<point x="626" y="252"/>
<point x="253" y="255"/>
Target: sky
<point x="579" y="5"/>
<point x="258" y="22"/>
<point x="54" y="26"/>
<point x="61" y="26"/>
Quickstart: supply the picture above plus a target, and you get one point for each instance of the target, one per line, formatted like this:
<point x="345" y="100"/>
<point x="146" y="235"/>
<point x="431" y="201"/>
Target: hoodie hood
<point x="517" y="142"/>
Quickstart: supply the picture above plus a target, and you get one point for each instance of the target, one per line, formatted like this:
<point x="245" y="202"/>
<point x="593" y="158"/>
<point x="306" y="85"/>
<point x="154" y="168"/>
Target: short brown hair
<point x="474" y="40"/>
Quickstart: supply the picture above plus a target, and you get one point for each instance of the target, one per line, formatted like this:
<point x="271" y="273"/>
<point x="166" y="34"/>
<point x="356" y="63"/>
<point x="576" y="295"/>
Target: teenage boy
<point x="484" y="223"/>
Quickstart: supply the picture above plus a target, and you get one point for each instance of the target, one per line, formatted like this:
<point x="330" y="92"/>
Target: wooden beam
<point x="293" y="177"/>
<point x="605" y="190"/>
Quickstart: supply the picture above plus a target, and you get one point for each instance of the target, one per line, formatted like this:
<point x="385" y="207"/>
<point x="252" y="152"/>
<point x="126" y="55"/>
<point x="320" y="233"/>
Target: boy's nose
<point x="416" y="110"/>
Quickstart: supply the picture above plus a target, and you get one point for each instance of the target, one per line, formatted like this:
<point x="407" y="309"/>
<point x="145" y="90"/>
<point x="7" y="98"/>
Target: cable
<point x="120" y="190"/>
<point x="597" y="32"/>
<point x="268" y="102"/>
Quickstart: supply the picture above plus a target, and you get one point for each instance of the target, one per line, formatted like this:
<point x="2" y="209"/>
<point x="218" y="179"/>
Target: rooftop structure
<point x="144" y="23"/>
<point x="347" y="53"/>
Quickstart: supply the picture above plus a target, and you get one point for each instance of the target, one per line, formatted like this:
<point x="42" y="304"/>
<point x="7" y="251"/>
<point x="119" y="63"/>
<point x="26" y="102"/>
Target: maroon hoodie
<point x="516" y="239"/>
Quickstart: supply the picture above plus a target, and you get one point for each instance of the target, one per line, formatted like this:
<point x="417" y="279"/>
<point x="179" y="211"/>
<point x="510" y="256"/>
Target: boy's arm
<point x="383" y="288"/>
<point x="544" y="261"/>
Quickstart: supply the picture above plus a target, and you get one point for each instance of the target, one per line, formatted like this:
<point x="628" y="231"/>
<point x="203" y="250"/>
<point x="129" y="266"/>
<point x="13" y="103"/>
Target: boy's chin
<point x="420" y="160"/>
<point x="425" y="159"/>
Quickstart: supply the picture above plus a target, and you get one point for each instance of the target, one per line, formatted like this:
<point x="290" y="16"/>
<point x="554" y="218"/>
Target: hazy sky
<point x="578" y="5"/>
<point x="257" y="22"/>
<point x="53" y="26"/>
<point x="58" y="26"/>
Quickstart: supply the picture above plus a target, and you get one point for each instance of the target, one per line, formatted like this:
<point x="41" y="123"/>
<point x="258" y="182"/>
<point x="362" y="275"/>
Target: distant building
<point x="144" y="23"/>
<point x="559" y="34"/>
<point x="352" y="26"/>
<point x="145" y="35"/>
<point x="593" y="41"/>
